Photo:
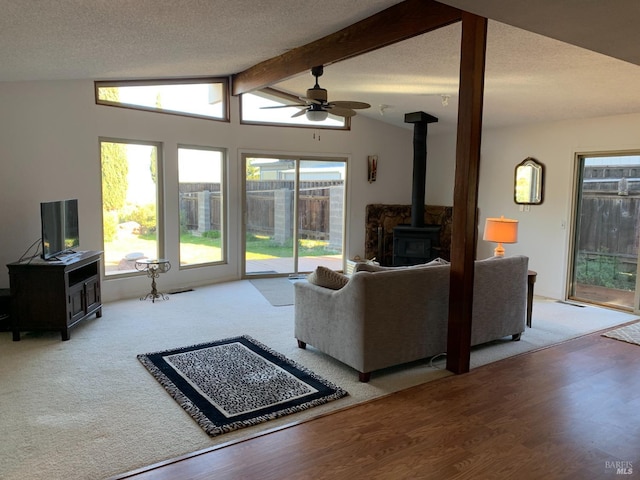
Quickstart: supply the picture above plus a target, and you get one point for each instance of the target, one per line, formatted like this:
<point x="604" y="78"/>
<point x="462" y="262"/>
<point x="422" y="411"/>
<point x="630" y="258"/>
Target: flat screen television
<point x="60" y="234"/>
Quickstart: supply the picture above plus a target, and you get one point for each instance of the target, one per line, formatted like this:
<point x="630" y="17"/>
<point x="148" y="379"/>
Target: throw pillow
<point x="370" y="267"/>
<point x="432" y="263"/>
<point x="364" y="267"/>
<point x="438" y="261"/>
<point x="325" y="277"/>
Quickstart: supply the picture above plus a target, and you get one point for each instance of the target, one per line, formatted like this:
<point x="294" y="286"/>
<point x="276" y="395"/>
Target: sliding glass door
<point x="293" y="215"/>
<point x="607" y="231"/>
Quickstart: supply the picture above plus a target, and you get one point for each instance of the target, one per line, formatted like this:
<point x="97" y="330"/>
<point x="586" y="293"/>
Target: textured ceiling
<point x="105" y="39"/>
<point x="529" y="78"/>
<point x="608" y="27"/>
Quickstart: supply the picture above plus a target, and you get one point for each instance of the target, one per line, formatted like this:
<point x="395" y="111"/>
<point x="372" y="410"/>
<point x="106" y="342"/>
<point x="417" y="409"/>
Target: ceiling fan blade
<point x="340" y="111"/>
<point x="282" y="106"/>
<point x="310" y="100"/>
<point x="299" y="113"/>
<point x="350" y="105"/>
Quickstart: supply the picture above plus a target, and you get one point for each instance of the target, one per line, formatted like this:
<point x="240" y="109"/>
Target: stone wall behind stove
<point x="383" y="218"/>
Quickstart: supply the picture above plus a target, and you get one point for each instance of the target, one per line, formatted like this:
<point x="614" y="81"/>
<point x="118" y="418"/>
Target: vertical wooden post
<point x="465" y="197"/>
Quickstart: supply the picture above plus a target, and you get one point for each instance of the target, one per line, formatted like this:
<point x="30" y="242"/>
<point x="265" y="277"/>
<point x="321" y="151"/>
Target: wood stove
<point x="412" y="246"/>
<point x="417" y="243"/>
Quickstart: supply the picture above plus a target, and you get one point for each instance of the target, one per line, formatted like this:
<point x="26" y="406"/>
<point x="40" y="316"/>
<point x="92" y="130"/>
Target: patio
<point x="284" y="265"/>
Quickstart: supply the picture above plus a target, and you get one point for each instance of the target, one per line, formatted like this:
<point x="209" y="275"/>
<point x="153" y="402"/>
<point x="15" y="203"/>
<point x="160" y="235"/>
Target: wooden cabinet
<point x="54" y="295"/>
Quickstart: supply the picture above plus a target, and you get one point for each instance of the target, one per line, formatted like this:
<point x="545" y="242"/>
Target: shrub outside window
<point x="131" y="189"/>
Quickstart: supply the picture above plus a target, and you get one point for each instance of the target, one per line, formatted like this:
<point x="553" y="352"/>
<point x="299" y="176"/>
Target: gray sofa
<point x="398" y="315"/>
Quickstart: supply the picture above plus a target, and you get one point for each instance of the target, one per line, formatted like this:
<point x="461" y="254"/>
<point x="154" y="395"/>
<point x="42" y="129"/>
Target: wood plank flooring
<point x="570" y="411"/>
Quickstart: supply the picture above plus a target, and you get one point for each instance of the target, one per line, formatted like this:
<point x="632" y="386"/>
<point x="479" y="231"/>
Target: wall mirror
<point x="529" y="182"/>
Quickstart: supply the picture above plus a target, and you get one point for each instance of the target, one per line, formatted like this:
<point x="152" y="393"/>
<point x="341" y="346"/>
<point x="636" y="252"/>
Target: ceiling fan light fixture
<point x="317" y="115"/>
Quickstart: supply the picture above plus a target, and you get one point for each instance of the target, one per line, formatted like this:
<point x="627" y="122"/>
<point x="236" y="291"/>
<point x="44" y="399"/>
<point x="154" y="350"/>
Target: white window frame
<point x="160" y="233"/>
<point x="223" y="207"/>
<point x="224" y="81"/>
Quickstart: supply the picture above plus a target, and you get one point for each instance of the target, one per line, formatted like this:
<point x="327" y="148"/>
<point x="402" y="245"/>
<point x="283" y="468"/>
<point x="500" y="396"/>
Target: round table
<point x="153" y="269"/>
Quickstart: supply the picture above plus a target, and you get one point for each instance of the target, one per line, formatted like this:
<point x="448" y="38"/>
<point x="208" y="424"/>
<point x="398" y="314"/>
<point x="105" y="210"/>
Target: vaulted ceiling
<point x="546" y="60"/>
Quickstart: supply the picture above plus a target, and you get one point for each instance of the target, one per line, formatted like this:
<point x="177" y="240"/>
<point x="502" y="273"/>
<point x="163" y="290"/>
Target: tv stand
<point x="54" y="295"/>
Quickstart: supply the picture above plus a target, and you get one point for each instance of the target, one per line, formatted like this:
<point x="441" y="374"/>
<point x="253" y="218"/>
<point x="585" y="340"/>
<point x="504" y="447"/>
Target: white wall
<point x="544" y="231"/>
<point x="49" y="150"/>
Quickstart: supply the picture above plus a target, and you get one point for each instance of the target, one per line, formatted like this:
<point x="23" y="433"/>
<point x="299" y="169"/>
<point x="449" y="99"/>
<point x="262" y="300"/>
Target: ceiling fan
<point x="317" y="108"/>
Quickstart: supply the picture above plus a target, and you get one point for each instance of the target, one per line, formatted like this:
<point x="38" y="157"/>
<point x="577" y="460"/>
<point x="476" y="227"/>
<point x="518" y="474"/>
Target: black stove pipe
<point x="420" y="121"/>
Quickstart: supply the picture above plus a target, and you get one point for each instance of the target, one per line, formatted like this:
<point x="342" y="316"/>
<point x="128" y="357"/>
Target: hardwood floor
<point x="570" y="411"/>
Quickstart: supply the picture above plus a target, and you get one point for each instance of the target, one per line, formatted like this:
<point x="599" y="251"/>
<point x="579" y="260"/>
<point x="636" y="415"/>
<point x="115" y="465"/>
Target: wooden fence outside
<point x="261" y="212"/>
<point x="313" y="206"/>
<point x="313" y="213"/>
<point x="609" y="234"/>
<point x="189" y="210"/>
<point x="609" y="224"/>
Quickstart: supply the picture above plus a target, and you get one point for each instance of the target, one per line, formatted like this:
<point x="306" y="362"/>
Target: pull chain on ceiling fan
<point x="317" y="108"/>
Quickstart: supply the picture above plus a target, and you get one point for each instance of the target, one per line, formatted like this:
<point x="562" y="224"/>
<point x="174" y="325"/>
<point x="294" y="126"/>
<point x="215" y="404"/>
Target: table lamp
<point x="500" y="230"/>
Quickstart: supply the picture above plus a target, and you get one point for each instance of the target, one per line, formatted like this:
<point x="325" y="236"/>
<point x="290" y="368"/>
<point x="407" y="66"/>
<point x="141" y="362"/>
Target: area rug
<point x="237" y="382"/>
<point x="278" y="291"/>
<point x="629" y="334"/>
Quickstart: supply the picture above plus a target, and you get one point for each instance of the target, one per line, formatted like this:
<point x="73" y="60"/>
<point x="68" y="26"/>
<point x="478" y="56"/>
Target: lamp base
<point x="499" y="251"/>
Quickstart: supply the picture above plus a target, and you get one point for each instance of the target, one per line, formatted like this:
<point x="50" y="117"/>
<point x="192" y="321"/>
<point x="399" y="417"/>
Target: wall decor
<point x="529" y="182"/>
<point x="372" y="168"/>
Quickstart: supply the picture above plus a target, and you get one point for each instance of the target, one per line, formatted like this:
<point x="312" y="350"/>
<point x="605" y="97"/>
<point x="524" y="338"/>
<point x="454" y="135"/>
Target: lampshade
<point x="317" y="115"/>
<point x="500" y="230"/>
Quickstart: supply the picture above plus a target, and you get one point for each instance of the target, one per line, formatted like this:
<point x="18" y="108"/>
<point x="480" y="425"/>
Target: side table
<point x="153" y="269"/>
<point x="530" y="281"/>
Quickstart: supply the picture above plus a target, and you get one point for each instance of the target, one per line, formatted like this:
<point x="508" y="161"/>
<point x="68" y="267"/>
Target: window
<point x="131" y="189"/>
<point x="252" y="110"/>
<point x="201" y="173"/>
<point x="202" y="97"/>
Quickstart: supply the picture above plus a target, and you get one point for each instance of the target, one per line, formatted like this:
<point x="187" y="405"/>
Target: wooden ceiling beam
<point x="399" y="22"/>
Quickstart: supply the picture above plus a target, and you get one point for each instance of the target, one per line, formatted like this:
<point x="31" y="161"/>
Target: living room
<point x="49" y="149"/>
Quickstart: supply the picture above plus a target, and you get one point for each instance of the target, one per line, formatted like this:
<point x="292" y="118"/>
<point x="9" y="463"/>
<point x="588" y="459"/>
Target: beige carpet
<point x="629" y="334"/>
<point x="87" y="409"/>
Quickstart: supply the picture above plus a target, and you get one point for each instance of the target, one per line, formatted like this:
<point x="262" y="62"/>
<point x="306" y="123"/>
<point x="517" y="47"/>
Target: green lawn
<point x="196" y="249"/>
<point x="259" y="246"/>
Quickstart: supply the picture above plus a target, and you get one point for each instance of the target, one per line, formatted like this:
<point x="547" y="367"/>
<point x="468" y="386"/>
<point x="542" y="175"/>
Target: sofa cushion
<point x="325" y="277"/>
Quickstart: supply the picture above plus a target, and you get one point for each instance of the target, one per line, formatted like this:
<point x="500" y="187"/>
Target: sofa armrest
<point x="499" y="298"/>
<point x="331" y="320"/>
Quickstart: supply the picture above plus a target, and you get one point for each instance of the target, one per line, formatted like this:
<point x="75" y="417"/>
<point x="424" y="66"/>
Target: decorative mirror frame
<point x="529" y="182"/>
